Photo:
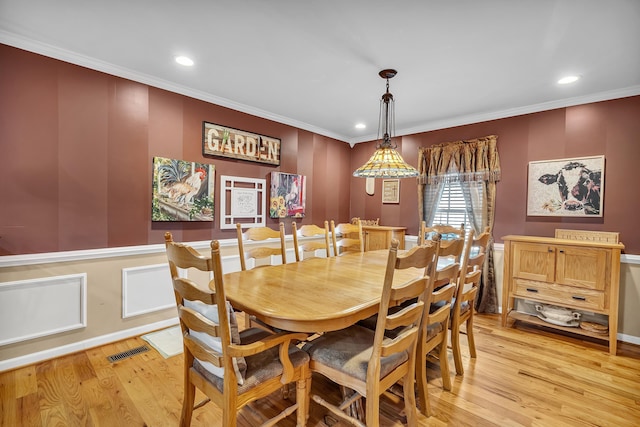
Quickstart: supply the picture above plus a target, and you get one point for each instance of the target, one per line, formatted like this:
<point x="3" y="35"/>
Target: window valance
<point x="472" y="160"/>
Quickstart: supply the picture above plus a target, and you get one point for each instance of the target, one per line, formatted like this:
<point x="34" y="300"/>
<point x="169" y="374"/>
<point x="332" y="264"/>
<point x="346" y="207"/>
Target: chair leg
<point x="372" y="416"/>
<point x="410" y="396"/>
<point x="444" y="363"/>
<point x="455" y="346"/>
<point x="421" y="379"/>
<point x="303" y="388"/>
<point x="229" y="411"/>
<point x="187" y="403"/>
<point x="470" y="338"/>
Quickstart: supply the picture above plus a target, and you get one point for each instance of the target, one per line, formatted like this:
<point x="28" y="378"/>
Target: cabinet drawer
<point x="559" y="294"/>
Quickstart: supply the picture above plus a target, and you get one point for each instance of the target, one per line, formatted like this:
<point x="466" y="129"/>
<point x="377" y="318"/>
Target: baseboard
<point x="29" y="359"/>
<point x="629" y="339"/>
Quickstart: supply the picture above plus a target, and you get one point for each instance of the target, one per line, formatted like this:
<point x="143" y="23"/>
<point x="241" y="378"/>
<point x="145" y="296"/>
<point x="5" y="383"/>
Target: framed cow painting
<point x="566" y="187"/>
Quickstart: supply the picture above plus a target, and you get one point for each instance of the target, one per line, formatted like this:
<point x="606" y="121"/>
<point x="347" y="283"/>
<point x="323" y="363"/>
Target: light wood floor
<point x="520" y="378"/>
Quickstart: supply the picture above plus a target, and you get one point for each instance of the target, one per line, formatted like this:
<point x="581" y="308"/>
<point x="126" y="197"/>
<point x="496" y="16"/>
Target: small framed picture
<point x="390" y="191"/>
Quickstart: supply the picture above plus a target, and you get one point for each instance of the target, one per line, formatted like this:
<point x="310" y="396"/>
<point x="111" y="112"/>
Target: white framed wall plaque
<point x="242" y="200"/>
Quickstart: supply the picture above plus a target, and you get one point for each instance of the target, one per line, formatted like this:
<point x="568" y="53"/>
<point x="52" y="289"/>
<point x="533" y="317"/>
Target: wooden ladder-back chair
<point x="351" y="237"/>
<point x="451" y="241"/>
<point x="231" y="368"/>
<point x="260" y="252"/>
<point x="466" y="293"/>
<point x="367" y="361"/>
<point x="446" y="231"/>
<point x="435" y="328"/>
<point x="478" y="251"/>
<point x="310" y="230"/>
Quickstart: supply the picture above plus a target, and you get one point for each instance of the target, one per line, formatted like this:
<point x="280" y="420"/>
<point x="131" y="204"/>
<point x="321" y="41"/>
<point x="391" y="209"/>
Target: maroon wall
<point x="609" y="128"/>
<point x="77" y="146"/>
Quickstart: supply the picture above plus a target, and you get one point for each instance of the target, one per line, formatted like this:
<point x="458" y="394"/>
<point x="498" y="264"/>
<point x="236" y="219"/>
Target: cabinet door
<point x="582" y="267"/>
<point x="377" y="239"/>
<point x="534" y="261"/>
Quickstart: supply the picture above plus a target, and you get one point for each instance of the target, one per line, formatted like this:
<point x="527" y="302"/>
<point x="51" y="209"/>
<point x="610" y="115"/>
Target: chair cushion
<point x="349" y="350"/>
<point x="371" y="322"/>
<point x="464" y="307"/>
<point x="433" y="330"/>
<point x="211" y="313"/>
<point x="261" y="366"/>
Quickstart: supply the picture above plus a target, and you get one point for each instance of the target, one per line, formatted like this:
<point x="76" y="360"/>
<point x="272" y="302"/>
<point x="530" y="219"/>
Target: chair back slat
<point x="258" y="234"/>
<point x="197" y="322"/>
<point x="479" y="248"/>
<point x="183" y="256"/>
<point x="404" y="341"/>
<point x="468" y="287"/>
<point x="443" y="311"/>
<point x="310" y="230"/>
<point x="445" y="231"/>
<point x="406" y="316"/>
<point x="408" y="290"/>
<point x="189" y="290"/>
<point x="351" y="237"/>
<point x="202" y="352"/>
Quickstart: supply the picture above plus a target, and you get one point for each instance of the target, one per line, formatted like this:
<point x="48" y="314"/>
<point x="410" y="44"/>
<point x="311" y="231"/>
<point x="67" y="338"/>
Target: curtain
<point x="476" y="165"/>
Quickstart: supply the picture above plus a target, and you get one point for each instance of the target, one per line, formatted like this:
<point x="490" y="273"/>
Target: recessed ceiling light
<point x="183" y="60"/>
<point x="568" y="79"/>
<point x="360" y="126"/>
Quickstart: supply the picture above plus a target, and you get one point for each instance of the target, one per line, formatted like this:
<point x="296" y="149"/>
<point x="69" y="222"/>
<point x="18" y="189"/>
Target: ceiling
<point x="314" y="64"/>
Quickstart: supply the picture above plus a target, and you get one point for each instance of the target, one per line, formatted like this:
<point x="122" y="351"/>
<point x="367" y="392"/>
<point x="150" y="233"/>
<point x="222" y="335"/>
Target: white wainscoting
<point x="231" y="263"/>
<point x="51" y="305"/>
<point x="40" y="307"/>
<point x="146" y="289"/>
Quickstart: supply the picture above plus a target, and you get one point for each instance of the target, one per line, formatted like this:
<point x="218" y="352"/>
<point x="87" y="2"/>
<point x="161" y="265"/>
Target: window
<point x="452" y="208"/>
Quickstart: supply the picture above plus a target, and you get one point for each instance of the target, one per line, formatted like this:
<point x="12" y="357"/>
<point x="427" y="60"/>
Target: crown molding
<point x="108" y="68"/>
<point x="511" y="112"/>
<point x="51" y="51"/>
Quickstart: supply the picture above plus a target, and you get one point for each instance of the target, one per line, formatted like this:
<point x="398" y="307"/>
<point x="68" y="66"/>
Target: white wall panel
<point x="39" y="307"/>
<point x="146" y="289"/>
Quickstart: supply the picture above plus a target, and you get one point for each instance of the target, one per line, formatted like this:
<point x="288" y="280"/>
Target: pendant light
<point x="386" y="162"/>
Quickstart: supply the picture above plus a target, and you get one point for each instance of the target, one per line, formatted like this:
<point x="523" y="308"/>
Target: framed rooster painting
<point x="182" y="190"/>
<point x="288" y="195"/>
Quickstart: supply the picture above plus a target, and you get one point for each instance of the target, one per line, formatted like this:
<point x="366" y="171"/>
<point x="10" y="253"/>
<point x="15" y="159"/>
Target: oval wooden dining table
<point x="315" y="295"/>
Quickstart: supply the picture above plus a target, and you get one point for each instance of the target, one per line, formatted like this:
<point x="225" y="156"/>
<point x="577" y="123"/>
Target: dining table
<point x="314" y="295"/>
<point x="318" y="294"/>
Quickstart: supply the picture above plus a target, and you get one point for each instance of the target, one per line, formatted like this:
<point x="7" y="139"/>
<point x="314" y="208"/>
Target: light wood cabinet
<point x="379" y="236"/>
<point x="579" y="275"/>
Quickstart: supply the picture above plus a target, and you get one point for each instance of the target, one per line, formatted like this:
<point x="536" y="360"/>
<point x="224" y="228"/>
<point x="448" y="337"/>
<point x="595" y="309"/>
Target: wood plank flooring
<point x="520" y="378"/>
